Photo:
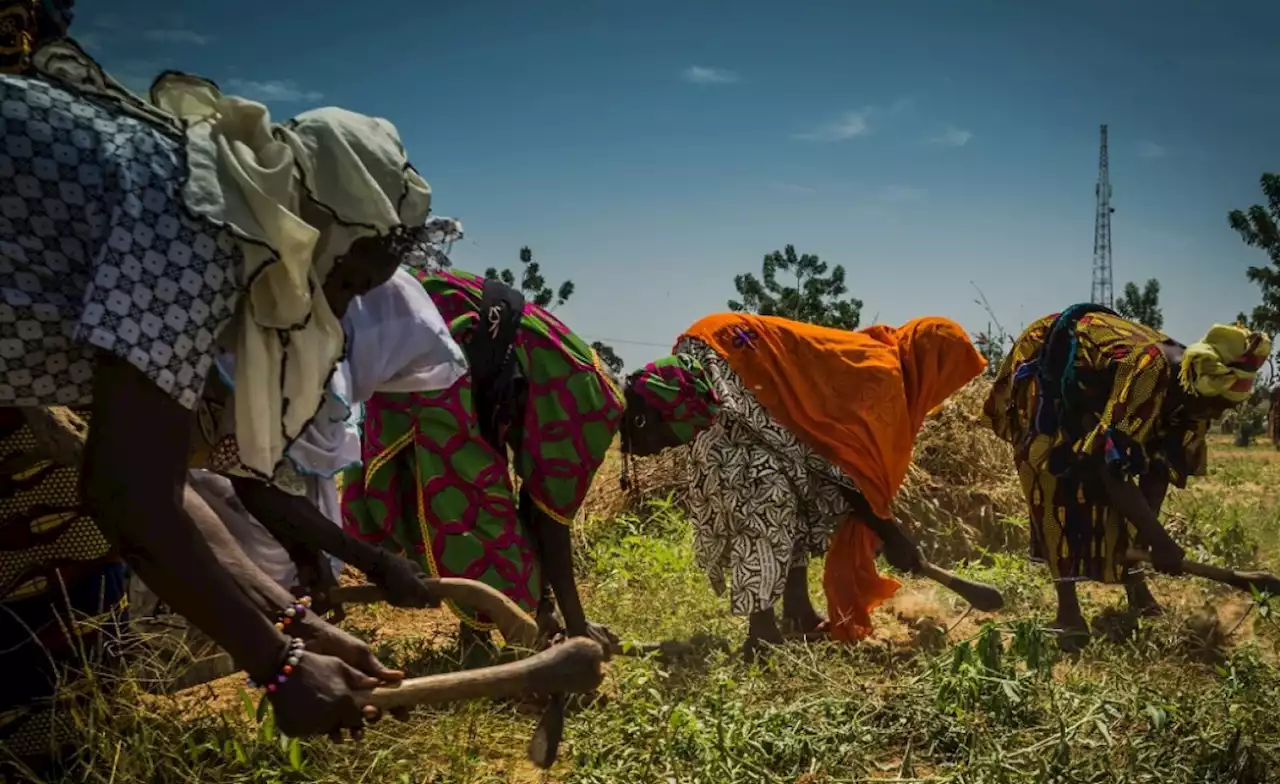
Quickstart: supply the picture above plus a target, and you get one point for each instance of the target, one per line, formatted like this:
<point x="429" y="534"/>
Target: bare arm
<point x="294" y="519"/>
<point x="134" y="480"/>
<point x="1135" y="505"/>
<point x="899" y="550"/>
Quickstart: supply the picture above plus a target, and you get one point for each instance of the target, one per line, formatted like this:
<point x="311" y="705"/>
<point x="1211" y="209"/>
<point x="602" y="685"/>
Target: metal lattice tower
<point x="1103" y="290"/>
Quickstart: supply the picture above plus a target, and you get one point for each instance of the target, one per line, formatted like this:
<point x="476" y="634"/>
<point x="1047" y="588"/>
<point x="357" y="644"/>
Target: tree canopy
<point x="532" y="283"/>
<point x="610" y="358"/>
<point x="1142" y="305"/>
<point x="534" y="287"/>
<point x="816" y="296"/>
<point x="1257" y="226"/>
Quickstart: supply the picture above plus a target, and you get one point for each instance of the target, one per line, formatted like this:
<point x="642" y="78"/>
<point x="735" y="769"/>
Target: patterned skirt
<point x="761" y="501"/>
<point x="1074" y="529"/>
<point x="62" y="590"/>
<point x="431" y="485"/>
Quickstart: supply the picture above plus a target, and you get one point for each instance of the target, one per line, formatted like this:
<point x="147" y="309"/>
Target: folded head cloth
<point x="1224" y="363"/>
<point x="676" y="394"/>
<point x="255" y="177"/>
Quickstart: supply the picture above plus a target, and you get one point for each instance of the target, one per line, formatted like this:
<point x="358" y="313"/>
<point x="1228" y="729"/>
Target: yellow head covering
<point x="1224" y="363"/>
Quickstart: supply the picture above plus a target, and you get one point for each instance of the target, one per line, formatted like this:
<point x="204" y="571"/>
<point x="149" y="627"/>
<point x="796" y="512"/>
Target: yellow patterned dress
<point x="63" y="589"/>
<point x="1097" y="401"/>
<point x="63" y="592"/>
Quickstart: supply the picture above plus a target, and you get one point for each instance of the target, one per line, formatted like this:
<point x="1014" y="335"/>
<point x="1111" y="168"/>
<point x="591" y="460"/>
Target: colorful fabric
<point x="856" y="589"/>
<point x="676" y="391"/>
<point x="573" y="410"/>
<point x="1224" y="363"/>
<point x="1120" y="421"/>
<point x="433" y="484"/>
<point x="62" y="592"/>
<point x="437" y="490"/>
<point x="25" y="25"/>
<point x="857" y="398"/>
<point x="760" y="500"/>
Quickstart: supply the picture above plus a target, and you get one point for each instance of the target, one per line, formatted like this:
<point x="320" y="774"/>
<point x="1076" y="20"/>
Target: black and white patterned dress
<point x="760" y="500"/>
<point x="98" y="253"/>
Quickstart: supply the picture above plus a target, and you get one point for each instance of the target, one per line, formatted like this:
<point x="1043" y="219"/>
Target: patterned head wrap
<point x="1224" y="363"/>
<point x="676" y="390"/>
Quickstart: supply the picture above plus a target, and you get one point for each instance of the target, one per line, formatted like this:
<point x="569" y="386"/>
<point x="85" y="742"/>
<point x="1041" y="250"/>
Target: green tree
<point x="1142" y="305"/>
<point x="1257" y="226"/>
<point x="533" y="285"/>
<point x="610" y="359"/>
<point x="816" y="296"/>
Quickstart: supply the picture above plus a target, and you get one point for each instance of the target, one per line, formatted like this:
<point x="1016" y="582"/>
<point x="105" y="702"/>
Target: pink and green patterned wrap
<point x="431" y="483"/>
<point x="677" y="387"/>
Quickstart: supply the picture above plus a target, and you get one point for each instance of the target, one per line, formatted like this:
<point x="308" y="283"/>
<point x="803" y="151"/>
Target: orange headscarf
<point x="858" y="398"/>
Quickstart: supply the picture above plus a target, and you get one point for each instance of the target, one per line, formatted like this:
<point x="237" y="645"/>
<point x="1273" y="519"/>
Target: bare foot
<point x="1141" y="602"/>
<point x="1073" y="633"/>
<point x="803" y="625"/>
<point x="756" y="649"/>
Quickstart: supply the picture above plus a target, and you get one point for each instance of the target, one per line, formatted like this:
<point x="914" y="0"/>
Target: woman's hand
<point x="1167" y="556"/>
<point x="404" y="582"/>
<point x="324" y="696"/>
<point x="325" y="639"/>
<point x="607" y="639"/>
<point x="902" y="553"/>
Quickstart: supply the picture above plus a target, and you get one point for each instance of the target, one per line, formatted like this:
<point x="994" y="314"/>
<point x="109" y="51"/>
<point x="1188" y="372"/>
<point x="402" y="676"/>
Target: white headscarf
<point x="397" y="341"/>
<point x="254" y="176"/>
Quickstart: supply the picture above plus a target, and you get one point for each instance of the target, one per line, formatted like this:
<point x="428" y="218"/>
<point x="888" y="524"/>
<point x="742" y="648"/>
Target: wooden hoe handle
<point x="1245" y="581"/>
<point x="517" y="627"/>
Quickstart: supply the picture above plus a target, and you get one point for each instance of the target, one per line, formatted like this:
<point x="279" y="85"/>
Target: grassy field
<point x="938" y="695"/>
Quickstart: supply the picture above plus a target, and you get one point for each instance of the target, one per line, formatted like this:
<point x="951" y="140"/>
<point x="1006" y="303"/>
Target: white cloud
<point x="177" y="36"/>
<point x="952" y="137"/>
<point x="849" y="125"/>
<point x="278" y="90"/>
<point x="793" y="188"/>
<point x="853" y="124"/>
<point x="901" y="193"/>
<point x="702" y="74"/>
<point x="1149" y="149"/>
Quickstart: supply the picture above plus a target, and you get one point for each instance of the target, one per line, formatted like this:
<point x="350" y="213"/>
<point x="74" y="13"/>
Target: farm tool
<point x="571" y="667"/>
<point x="1263" y="582"/>
<point x="983" y="597"/>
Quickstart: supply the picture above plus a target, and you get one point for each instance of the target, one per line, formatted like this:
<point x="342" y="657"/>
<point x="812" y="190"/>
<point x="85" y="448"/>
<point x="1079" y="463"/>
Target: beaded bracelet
<point x="291" y="660"/>
<point x="293" y="612"/>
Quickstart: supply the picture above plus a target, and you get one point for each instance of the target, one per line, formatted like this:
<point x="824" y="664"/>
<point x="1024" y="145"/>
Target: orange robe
<point x="858" y="399"/>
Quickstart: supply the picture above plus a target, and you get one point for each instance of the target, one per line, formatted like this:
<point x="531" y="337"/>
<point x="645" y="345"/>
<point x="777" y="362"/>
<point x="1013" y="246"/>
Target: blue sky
<point x="651" y="151"/>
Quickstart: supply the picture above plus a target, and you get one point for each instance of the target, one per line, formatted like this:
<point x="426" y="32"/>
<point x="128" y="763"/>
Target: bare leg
<point x="797" y="607"/>
<point x="1141" y="601"/>
<point x="1075" y="630"/>
<point x="762" y="632"/>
